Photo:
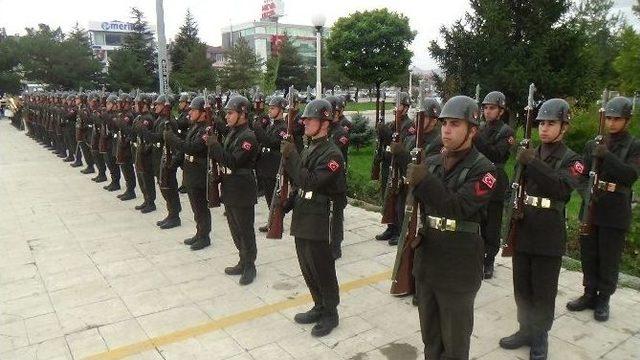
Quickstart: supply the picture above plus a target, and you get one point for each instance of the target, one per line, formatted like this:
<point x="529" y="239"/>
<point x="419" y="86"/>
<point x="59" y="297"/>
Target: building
<point x="215" y="54"/>
<point x="266" y="34"/>
<point x="106" y="36"/>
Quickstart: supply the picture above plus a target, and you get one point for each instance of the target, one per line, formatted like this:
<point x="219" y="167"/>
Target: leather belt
<point x="305" y="194"/>
<point x="543" y="203"/>
<point x="266" y="149"/>
<point x="444" y="224"/>
<point x="611" y="187"/>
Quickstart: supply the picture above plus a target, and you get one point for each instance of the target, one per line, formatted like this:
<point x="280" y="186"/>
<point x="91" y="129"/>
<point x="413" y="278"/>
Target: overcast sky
<point x="426" y="17"/>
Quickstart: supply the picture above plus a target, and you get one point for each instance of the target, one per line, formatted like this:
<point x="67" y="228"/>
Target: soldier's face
<point x="110" y="106"/>
<point x="550" y="131"/>
<point x="77" y="101"/>
<point x="274" y="111"/>
<point x="428" y="124"/>
<point x="455" y="132"/>
<point x="315" y="127"/>
<point x="492" y="112"/>
<point x="615" y="124"/>
<point x="158" y="108"/>
<point x="194" y="115"/>
<point x="182" y="105"/>
<point x="259" y="105"/>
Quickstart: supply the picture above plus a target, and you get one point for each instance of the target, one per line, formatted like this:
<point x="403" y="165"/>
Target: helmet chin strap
<point x="560" y="133"/>
<point x="466" y="137"/>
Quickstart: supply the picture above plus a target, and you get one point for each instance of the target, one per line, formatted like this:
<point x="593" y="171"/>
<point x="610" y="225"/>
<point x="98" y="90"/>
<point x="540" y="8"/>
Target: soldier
<point x="95" y="123"/>
<point x="298" y="125"/>
<point x="552" y="172"/>
<point x="452" y="188"/>
<point x="236" y="159"/>
<point x="124" y="156"/>
<point x="194" y="148"/>
<point x="82" y="135"/>
<point x="619" y="167"/>
<point x="344" y="122"/>
<point x="269" y="139"/>
<point x="69" y="120"/>
<point x="142" y="153"/>
<point x="108" y="133"/>
<point x="259" y="117"/>
<point x="386" y="132"/>
<point x="340" y="137"/>
<point x="162" y="108"/>
<point x="318" y="176"/>
<point x="494" y="140"/>
<point x="182" y="122"/>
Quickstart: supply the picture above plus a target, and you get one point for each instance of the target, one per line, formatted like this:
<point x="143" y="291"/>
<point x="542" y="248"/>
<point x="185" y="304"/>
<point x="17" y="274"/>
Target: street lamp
<point x="318" y="22"/>
<point x="411" y="68"/>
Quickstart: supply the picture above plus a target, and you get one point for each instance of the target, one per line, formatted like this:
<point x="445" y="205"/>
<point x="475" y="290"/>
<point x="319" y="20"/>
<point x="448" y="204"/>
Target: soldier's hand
<point x="286" y="148"/>
<point x="167" y="135"/>
<point x="525" y="156"/>
<point x="600" y="150"/>
<point x="416" y="173"/>
<point x="396" y="148"/>
<point x="212" y="140"/>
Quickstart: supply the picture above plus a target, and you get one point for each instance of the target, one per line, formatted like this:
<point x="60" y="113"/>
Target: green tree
<point x="40" y="54"/>
<point x="141" y="43"/>
<point x="636" y="8"/>
<point x="79" y="64"/>
<point x="126" y="71"/>
<point x="361" y="133"/>
<point x="270" y="74"/>
<point x="627" y="64"/>
<point x="371" y="46"/>
<point x="291" y="68"/>
<point x="9" y="63"/>
<point x="242" y="70"/>
<point x="186" y="41"/>
<point x="196" y="72"/>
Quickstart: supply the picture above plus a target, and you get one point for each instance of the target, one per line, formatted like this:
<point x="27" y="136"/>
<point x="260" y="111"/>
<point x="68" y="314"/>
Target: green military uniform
<point x="82" y="134"/>
<point x="454" y="191"/>
<point x="124" y="156"/>
<point x="317" y="175"/>
<point x="143" y="157"/>
<point x="108" y="149"/>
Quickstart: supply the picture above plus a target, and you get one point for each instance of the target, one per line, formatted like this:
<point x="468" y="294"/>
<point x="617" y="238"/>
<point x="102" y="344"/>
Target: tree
<point x="80" y="66"/>
<point x="140" y="44"/>
<point x="371" y="46"/>
<point x="542" y="46"/>
<point x="291" y="69"/>
<point x="270" y="74"/>
<point x="242" y="70"/>
<point x="40" y="54"/>
<point x="636" y="8"/>
<point x="196" y="72"/>
<point x="9" y="74"/>
<point x="627" y="64"/>
<point x="186" y="41"/>
<point x="126" y="71"/>
<point x="361" y="133"/>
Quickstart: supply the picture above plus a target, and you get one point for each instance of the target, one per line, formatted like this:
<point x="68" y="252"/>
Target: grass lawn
<point x="364" y="106"/>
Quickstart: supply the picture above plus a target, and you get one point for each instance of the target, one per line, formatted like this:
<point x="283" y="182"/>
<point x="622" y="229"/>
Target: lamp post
<point x="411" y="68"/>
<point x="163" y="71"/>
<point x="318" y="22"/>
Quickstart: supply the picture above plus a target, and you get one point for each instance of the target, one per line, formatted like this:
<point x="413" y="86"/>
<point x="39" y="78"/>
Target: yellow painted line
<point x="180" y="335"/>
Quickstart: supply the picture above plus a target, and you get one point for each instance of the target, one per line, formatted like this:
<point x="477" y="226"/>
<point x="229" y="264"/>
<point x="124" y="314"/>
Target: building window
<point x="113" y="39"/>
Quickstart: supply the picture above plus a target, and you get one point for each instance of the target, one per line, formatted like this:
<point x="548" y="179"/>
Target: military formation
<point x="449" y="205"/>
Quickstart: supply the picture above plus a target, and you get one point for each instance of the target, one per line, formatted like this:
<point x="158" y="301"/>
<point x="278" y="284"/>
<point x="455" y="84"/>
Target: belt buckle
<point x="545" y="203"/>
<point x="611" y="187"/>
<point x="602" y="185"/>
<point x="388" y="148"/>
<point x="449" y="225"/>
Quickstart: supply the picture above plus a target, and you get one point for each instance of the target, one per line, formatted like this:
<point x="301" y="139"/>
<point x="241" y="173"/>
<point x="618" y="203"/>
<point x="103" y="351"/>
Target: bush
<point x="361" y="133"/>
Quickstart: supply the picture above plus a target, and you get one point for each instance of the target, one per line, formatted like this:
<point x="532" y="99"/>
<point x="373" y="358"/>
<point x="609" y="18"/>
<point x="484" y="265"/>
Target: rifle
<point x="515" y="212"/>
<point x="586" y="217"/>
<point x="393" y="181"/>
<point x="377" y="156"/>
<point x="165" y="159"/>
<point x="477" y="99"/>
<point x="213" y="172"/>
<point x="281" y="191"/>
<point x="402" y="281"/>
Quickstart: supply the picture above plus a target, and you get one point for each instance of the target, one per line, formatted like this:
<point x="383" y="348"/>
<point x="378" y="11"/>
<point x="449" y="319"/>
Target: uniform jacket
<point x="495" y="141"/>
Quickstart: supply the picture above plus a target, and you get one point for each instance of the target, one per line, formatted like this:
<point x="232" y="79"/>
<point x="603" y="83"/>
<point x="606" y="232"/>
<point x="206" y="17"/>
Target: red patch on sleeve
<point x="205" y="137"/>
<point x="145" y="123"/>
<point x="246" y="146"/>
<point x="412" y="130"/>
<point x="577" y="168"/>
<point x="283" y="134"/>
<point x="126" y="119"/>
<point x="346" y="128"/>
<point x="511" y="140"/>
<point x="489" y="180"/>
<point x="479" y="189"/>
<point x="343" y="140"/>
<point x="333" y="166"/>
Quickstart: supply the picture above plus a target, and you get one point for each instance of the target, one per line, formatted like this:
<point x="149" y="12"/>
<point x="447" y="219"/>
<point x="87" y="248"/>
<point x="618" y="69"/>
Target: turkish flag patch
<point x="577" y="168"/>
<point x="412" y="130"/>
<point x="145" y="123"/>
<point x="333" y="166"/>
<point x="246" y="146"/>
<point x="343" y="140"/>
<point x="205" y="137"/>
<point x="346" y="128"/>
<point x="511" y="140"/>
<point x="489" y="180"/>
<point x="283" y="134"/>
<point x="126" y="119"/>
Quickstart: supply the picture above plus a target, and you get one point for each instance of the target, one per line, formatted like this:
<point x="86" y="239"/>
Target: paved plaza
<point x="84" y="275"/>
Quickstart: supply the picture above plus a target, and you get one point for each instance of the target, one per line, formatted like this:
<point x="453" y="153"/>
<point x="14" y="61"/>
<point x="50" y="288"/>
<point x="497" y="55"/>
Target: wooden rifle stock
<point x="281" y="191"/>
<point x="213" y="172"/>
<point x="393" y="181"/>
<point x="165" y="162"/>
<point x="515" y="209"/>
<point x="586" y="217"/>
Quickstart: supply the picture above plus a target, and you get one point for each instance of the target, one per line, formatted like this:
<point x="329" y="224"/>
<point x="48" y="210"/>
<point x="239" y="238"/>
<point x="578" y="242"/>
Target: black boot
<point x="141" y="206"/>
<point x="336" y="252"/>
<point x="386" y="234"/>
<point x="393" y="241"/>
<point x="488" y="267"/>
<point x="234" y="270"/>
<point x="264" y="228"/>
<point x="248" y="274"/>
<point x="113" y="186"/>
<point x="100" y="178"/>
<point x="76" y="163"/>
<point x="201" y="243"/>
<point x="309" y="317"/>
<point x="182" y="189"/>
<point x="88" y="170"/>
<point x="539" y="347"/>
<point x="519" y="339"/>
<point x="601" y="311"/>
<point x="127" y="195"/>
<point x="414" y="300"/>
<point x="160" y="222"/>
<point x="149" y="208"/>
<point x="172" y="221"/>
<point x="586" y="301"/>
<point x="69" y="158"/>
<point x="190" y="241"/>
<point x="327" y="323"/>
